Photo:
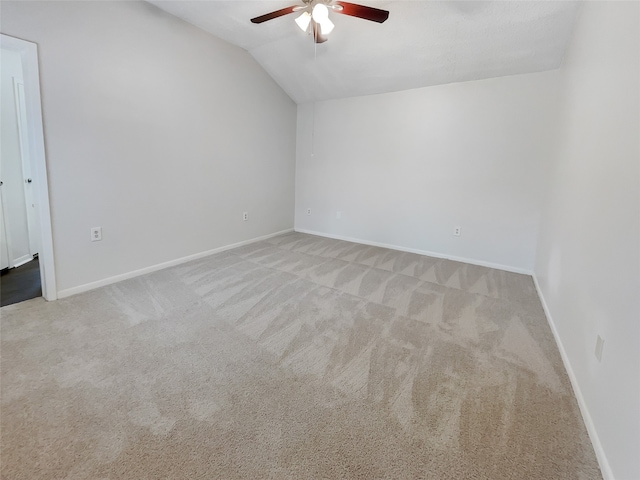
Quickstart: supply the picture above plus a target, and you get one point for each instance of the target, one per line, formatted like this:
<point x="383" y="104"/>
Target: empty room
<point x="314" y="239"/>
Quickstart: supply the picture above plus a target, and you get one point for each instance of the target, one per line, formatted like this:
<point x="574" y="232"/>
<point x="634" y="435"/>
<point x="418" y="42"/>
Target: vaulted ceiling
<point x="422" y="43"/>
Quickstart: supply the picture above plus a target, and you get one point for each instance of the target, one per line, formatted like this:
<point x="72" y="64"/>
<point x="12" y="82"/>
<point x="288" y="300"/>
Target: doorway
<point x="26" y="247"/>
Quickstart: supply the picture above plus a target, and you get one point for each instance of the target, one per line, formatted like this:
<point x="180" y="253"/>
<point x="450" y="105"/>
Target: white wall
<point x="588" y="265"/>
<point x="155" y="130"/>
<point x="405" y="168"/>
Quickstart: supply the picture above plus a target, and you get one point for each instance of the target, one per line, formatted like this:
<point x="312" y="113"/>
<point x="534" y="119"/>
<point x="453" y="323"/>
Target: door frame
<point x="35" y="141"/>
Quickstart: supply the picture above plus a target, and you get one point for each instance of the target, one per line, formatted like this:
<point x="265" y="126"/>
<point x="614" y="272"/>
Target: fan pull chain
<point x="313" y="127"/>
<point x="313" y="107"/>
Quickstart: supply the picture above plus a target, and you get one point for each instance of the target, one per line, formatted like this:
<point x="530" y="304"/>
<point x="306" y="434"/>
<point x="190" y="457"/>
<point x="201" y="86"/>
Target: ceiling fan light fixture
<point x="303" y="21"/>
<point x="326" y="26"/>
<point x="320" y="13"/>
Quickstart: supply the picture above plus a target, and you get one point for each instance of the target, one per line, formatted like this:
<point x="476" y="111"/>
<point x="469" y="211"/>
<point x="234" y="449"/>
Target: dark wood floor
<point x="21" y="283"/>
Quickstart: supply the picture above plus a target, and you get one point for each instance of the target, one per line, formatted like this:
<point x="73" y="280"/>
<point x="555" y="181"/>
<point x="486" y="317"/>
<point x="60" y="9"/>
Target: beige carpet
<point x="295" y="358"/>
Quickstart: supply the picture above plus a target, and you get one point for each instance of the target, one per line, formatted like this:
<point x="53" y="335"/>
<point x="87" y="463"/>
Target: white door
<point x="16" y="238"/>
<point x="28" y="185"/>
<point x="28" y="82"/>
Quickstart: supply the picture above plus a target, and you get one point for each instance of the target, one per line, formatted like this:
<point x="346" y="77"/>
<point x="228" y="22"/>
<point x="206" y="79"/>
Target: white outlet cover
<point x="96" y="234"/>
<point x="308" y="211"/>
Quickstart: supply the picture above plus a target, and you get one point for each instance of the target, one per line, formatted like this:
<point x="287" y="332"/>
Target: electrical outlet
<point x="96" y="234"/>
<point x="599" y="347"/>
<point x="457" y="231"/>
<point x="338" y="215"/>
<point x="245" y="216"/>
<point x="308" y="211"/>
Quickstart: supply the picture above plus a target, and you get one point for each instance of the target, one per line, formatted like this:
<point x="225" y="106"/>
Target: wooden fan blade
<point x="361" y="11"/>
<point x="276" y="14"/>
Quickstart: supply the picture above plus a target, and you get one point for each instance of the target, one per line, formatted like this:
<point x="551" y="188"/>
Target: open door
<point x="24" y="200"/>
<point x="14" y="161"/>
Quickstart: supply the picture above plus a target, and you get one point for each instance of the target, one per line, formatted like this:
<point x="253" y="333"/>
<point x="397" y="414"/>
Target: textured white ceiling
<point x="422" y="43"/>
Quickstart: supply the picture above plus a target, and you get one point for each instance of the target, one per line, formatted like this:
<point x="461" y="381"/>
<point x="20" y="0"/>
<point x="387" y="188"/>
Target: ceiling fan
<point x="315" y="15"/>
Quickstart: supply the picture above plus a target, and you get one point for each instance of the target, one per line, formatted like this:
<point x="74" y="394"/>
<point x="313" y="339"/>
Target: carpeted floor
<point x="299" y="357"/>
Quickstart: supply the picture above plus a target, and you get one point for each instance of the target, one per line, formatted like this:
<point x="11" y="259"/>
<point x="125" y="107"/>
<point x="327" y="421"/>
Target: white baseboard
<point x="605" y="468"/>
<point x="18" y="262"/>
<point x="427" y="253"/>
<point x="160" y="266"/>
